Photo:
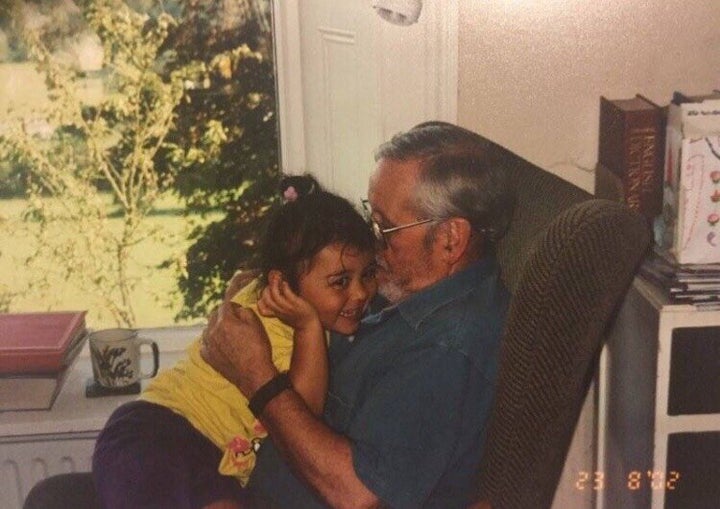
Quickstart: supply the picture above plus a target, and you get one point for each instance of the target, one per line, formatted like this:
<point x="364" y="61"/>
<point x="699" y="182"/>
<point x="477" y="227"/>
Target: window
<point x="136" y="164"/>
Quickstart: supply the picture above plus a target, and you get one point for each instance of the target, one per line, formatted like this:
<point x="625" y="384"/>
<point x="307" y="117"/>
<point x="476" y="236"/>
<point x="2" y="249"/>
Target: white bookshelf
<point x="635" y="424"/>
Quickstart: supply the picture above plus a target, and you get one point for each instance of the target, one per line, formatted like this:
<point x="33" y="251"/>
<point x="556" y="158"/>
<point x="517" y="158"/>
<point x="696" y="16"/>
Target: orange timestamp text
<point x="635" y="480"/>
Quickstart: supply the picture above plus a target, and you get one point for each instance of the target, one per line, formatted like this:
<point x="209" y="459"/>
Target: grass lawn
<point x="155" y="299"/>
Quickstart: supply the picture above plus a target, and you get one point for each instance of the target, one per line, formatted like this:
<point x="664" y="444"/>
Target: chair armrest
<point x="565" y="299"/>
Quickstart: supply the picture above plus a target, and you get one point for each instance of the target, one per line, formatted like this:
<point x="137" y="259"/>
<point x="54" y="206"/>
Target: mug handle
<point x="156" y="357"/>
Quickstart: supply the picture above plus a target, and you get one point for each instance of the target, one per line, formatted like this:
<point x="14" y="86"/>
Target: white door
<point x="348" y="80"/>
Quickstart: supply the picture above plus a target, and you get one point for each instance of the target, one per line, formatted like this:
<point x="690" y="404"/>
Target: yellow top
<point x="214" y="406"/>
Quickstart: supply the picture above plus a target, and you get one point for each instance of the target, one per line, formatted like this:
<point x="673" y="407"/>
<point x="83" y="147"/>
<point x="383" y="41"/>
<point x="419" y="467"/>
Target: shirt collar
<point x="418" y="306"/>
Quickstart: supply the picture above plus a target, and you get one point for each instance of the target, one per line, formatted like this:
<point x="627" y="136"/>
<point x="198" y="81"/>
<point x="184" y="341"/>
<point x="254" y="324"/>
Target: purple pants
<point x="149" y="457"/>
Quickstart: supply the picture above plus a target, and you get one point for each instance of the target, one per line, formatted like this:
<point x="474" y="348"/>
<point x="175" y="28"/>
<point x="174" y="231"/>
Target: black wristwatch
<point x="264" y="394"/>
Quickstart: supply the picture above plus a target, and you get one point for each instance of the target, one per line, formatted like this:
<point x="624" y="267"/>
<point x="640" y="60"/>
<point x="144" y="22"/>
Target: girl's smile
<point x="339" y="283"/>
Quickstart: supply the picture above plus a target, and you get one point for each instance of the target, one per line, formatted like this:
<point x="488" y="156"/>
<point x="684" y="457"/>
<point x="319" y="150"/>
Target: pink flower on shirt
<point x="242" y="450"/>
<point x="240" y="445"/>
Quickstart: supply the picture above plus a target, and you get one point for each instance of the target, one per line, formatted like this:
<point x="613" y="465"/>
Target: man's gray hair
<point x="458" y="177"/>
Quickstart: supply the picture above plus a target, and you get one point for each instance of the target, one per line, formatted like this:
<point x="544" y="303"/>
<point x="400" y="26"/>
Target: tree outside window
<point x="135" y="182"/>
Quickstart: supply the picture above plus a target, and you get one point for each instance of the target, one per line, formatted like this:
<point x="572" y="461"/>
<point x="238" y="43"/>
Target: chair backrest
<point x="568" y="259"/>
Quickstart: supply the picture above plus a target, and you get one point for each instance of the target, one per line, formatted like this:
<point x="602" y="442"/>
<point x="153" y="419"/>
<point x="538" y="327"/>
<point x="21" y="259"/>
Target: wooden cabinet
<point x="659" y="406"/>
<point x="37" y="444"/>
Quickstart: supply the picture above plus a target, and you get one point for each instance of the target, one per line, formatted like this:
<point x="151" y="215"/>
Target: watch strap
<point x="267" y="392"/>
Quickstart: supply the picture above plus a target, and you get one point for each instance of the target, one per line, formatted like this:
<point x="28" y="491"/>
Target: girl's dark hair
<point x="309" y="220"/>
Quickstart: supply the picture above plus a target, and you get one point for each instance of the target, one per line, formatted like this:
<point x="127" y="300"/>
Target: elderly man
<point x="410" y="393"/>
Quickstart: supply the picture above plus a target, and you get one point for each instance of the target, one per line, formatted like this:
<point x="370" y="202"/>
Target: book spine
<point x="632" y="144"/>
<point x="643" y="172"/>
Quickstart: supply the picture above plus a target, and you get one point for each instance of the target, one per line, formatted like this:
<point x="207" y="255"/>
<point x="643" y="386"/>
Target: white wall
<point x="531" y="72"/>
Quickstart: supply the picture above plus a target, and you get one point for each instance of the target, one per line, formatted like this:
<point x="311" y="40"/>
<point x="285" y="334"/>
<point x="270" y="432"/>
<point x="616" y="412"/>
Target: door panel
<point x="362" y="80"/>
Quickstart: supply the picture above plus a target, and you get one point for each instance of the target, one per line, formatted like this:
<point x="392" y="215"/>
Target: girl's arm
<point x="309" y="363"/>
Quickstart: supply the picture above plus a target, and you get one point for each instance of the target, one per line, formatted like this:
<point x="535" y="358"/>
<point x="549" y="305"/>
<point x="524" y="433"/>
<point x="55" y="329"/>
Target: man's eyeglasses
<point x="380" y="232"/>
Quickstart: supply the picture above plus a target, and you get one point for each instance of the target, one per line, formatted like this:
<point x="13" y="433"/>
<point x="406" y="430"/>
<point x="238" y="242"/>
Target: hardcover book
<point x="37" y="391"/>
<point x="31" y="392"/>
<point x="39" y="342"/>
<point x="608" y="185"/>
<point x="631" y="147"/>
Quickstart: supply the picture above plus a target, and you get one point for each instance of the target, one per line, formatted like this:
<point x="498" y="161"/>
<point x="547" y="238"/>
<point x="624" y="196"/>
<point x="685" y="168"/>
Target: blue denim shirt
<point x="412" y="391"/>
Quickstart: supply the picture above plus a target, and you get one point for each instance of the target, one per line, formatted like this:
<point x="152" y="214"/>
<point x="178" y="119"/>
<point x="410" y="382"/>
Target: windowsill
<point x="74" y="415"/>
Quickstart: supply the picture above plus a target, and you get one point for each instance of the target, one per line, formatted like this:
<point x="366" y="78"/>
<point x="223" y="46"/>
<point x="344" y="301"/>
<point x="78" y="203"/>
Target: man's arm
<point x="236" y="345"/>
<point x="315" y="453"/>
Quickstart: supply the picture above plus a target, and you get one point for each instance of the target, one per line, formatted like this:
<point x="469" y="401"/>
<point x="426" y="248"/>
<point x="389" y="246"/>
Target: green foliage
<point x="12" y="177"/>
<point x="188" y="106"/>
<point x="223" y="150"/>
<point x="110" y="145"/>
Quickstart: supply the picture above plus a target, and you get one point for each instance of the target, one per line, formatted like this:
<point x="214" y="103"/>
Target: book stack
<point x="697" y="284"/>
<point x="37" y="351"/>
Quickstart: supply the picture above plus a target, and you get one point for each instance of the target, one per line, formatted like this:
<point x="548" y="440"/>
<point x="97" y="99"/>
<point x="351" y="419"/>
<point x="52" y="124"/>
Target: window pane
<point x="137" y="163"/>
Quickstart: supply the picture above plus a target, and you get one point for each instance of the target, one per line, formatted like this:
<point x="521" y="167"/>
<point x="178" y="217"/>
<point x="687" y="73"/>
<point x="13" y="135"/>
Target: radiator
<point x="24" y="463"/>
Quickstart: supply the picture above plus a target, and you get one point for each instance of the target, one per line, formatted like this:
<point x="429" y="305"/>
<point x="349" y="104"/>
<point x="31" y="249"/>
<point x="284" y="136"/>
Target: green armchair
<point x="568" y="260"/>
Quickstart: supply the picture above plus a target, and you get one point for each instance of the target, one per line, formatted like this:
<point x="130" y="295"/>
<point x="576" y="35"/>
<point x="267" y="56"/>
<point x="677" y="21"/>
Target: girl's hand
<point x="278" y="300"/>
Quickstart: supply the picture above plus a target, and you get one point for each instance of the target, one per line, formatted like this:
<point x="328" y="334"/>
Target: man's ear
<point x="455" y="239"/>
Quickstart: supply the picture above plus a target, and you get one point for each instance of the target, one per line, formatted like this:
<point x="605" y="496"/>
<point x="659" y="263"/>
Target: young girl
<point x="317" y="274"/>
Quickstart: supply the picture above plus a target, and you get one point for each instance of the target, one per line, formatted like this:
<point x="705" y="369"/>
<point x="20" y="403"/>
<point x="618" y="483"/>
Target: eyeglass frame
<point x="379" y="232"/>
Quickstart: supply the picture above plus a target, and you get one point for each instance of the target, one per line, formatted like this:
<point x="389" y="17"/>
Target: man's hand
<point x="236" y="345"/>
<point x="238" y="281"/>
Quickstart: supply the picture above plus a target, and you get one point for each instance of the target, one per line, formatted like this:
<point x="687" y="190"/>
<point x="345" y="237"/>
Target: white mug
<point x="115" y="355"/>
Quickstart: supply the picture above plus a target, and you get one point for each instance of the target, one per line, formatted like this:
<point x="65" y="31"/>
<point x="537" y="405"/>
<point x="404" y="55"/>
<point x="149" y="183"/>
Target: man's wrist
<point x="252" y="382"/>
<point x="268" y="391"/>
